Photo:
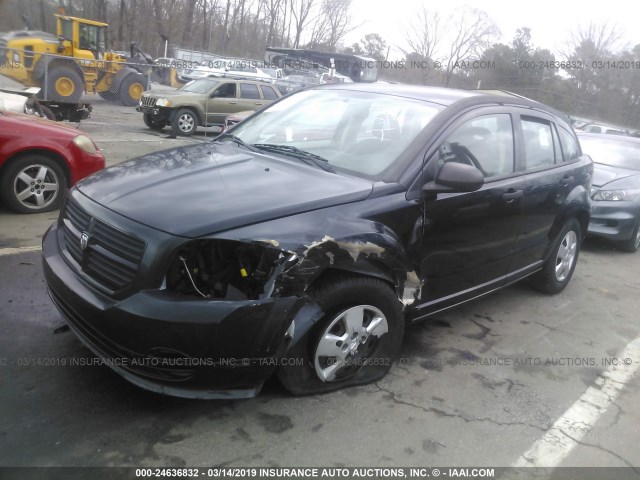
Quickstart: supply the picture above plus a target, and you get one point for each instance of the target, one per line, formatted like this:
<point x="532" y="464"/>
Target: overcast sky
<point x="550" y="20"/>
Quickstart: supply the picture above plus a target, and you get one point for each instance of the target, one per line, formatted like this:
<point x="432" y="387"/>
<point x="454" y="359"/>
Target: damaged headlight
<point x="227" y="269"/>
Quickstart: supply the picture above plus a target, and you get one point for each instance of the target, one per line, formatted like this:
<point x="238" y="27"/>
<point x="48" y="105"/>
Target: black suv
<point x="302" y="240"/>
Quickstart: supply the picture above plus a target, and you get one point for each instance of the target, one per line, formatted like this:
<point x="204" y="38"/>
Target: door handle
<point x="512" y="195"/>
<point x="566" y="180"/>
<point x="233" y="103"/>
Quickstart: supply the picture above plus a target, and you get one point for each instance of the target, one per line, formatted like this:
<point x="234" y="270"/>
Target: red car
<point x="40" y="160"/>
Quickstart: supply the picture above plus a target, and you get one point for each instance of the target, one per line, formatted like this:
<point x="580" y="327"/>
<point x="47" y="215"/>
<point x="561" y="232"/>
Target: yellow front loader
<point x="73" y="62"/>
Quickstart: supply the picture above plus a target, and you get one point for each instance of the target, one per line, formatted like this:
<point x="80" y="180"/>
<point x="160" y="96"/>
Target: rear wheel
<point x="33" y="184"/>
<point x="559" y="267"/>
<point x="154" y="123"/>
<point x="354" y="343"/>
<point x="185" y="122"/>
<point x="64" y="85"/>
<point x="633" y="243"/>
<point x="131" y="89"/>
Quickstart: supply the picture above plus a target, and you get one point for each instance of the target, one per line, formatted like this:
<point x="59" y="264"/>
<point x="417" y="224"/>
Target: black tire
<point x="632" y="245"/>
<point x="560" y="265"/>
<point x="154" y="123"/>
<point x="48" y="113"/>
<point x="108" y="96"/>
<point x="366" y="298"/>
<point x="131" y="89"/>
<point x="65" y="85"/>
<point x="185" y="122"/>
<point x="36" y="200"/>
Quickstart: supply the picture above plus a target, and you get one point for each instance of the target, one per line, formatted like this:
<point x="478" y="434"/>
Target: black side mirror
<point x="455" y="177"/>
<point x="60" y="44"/>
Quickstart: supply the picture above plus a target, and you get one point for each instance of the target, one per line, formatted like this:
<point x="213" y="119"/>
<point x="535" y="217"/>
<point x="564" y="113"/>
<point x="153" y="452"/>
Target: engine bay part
<point x="222" y="269"/>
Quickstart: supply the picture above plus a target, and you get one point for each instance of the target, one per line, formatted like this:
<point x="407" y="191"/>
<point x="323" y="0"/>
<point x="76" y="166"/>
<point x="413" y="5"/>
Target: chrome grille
<point x="148" y="101"/>
<point x="110" y="258"/>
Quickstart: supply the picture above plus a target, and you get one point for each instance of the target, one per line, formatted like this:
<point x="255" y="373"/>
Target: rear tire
<point x="633" y="243"/>
<point x="131" y="89"/>
<point x="355" y="342"/>
<point x="560" y="265"/>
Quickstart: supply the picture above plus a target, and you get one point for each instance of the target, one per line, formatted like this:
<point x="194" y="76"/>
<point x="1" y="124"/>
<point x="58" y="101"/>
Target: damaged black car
<point x="301" y="241"/>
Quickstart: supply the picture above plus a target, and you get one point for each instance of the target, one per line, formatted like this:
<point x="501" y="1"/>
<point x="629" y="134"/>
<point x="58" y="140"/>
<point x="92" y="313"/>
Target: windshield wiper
<point x="235" y="139"/>
<point x="291" y="151"/>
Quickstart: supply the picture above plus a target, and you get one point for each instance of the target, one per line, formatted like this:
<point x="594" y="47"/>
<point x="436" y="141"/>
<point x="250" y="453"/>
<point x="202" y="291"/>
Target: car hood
<point x="35" y="125"/>
<point x="172" y="94"/>
<point x="604" y="174"/>
<point x="210" y="187"/>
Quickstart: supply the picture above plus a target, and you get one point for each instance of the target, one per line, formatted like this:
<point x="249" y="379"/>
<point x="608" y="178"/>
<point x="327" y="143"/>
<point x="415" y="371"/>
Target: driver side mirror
<point x="455" y="177"/>
<point x="214" y="94"/>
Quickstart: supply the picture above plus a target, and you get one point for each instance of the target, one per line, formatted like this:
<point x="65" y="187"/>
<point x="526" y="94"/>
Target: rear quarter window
<point x="570" y="146"/>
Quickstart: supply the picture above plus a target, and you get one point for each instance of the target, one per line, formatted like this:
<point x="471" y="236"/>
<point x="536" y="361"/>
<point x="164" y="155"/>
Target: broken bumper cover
<point x="160" y="341"/>
<point x="613" y="220"/>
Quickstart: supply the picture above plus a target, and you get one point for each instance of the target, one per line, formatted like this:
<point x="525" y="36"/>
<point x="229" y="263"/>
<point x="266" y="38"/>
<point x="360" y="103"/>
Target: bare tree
<point x="301" y="12"/>
<point x="424" y="34"/>
<point x="601" y="39"/>
<point x="472" y="32"/>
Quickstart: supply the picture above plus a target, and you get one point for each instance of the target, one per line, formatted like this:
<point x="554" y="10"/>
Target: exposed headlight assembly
<point x="163" y="102"/>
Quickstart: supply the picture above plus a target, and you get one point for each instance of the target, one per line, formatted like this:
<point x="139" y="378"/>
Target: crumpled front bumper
<point x="160" y="341"/>
<point x="613" y="220"/>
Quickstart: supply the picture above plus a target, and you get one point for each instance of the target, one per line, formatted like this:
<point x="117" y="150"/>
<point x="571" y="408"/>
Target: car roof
<point x="447" y="96"/>
<point x="609" y="138"/>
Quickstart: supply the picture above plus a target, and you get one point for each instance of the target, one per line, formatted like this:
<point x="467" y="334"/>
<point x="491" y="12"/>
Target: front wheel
<point x="184" y="122"/>
<point x="559" y="267"/>
<point x="33" y="184"/>
<point x="65" y="85"/>
<point x="355" y="342"/>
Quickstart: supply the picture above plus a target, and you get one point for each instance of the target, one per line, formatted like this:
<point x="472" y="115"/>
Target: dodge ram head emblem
<point x="84" y="240"/>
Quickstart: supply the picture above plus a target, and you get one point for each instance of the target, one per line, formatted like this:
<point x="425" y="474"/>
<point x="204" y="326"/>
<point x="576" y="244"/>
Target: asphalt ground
<point x="492" y="383"/>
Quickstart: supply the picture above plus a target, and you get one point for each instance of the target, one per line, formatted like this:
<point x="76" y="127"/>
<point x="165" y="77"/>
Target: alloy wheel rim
<point x="186" y="123"/>
<point x="351" y="337"/>
<point x="566" y="255"/>
<point x="36" y="187"/>
<point x="638" y="237"/>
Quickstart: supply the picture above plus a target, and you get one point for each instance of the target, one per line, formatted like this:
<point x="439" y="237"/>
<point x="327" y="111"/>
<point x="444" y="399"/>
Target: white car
<point x="23" y="101"/>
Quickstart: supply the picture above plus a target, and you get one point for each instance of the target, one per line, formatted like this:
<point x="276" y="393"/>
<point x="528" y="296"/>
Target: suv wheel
<point x="354" y="343"/>
<point x="184" y="122"/>
<point x="559" y="267"/>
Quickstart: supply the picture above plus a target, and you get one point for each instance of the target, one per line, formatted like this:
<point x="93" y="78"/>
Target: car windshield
<point x="616" y="152"/>
<point x="358" y="132"/>
<point x="202" y="85"/>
